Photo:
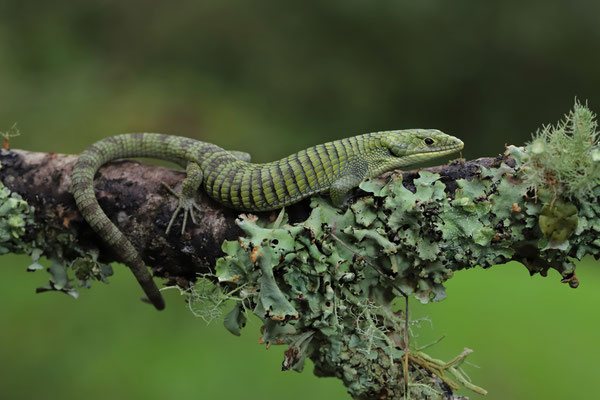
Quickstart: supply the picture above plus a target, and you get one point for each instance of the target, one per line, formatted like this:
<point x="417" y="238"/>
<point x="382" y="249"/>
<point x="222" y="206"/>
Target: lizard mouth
<point x="431" y="153"/>
<point x="448" y="148"/>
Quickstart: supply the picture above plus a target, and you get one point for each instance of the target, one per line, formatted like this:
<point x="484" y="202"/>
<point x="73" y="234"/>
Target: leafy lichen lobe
<point x="15" y="215"/>
<point x="313" y="285"/>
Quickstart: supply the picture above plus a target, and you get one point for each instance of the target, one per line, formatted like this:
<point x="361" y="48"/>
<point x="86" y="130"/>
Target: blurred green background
<point x="270" y="78"/>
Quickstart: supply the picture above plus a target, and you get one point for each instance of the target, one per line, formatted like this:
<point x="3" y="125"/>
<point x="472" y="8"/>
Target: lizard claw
<point x="186" y="205"/>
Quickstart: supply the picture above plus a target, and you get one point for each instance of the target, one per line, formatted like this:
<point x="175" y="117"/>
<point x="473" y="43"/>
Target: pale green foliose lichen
<point x="314" y="286"/>
<point x="313" y="277"/>
<point x="66" y="274"/>
<point x="15" y="214"/>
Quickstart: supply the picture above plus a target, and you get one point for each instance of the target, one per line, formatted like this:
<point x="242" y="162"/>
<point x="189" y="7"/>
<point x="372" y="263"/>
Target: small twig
<point x="431" y="344"/>
<point x="438" y="367"/>
<point x="419" y="359"/>
<point x="12" y="132"/>
<point x="465" y="382"/>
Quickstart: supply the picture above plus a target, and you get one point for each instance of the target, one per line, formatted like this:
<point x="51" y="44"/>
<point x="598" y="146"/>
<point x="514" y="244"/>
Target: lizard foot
<point x="187" y="205"/>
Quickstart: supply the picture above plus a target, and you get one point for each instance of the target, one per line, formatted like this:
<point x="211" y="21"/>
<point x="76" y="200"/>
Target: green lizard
<point x="229" y="177"/>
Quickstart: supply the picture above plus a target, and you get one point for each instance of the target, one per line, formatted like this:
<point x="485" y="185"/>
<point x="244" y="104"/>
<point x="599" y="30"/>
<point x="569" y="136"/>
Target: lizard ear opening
<point x="397" y="151"/>
<point x="393" y="146"/>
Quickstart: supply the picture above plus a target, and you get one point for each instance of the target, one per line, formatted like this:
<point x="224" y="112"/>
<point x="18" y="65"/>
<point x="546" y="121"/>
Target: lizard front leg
<point x="352" y="176"/>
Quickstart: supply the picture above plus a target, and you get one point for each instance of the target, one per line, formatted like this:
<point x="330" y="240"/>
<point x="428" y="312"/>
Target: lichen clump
<point x="326" y="285"/>
<point x="15" y="214"/>
<point x="565" y="158"/>
<point x="66" y="274"/>
<point x="316" y="277"/>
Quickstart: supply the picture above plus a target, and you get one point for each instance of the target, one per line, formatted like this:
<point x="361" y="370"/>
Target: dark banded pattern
<point x="251" y="187"/>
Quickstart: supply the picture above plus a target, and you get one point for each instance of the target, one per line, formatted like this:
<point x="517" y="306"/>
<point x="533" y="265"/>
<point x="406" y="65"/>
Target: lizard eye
<point x="428" y="141"/>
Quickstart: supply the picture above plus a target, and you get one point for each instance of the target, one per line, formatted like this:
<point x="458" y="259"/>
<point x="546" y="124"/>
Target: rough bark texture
<point x="132" y="196"/>
<point x="297" y="277"/>
<point x="323" y="281"/>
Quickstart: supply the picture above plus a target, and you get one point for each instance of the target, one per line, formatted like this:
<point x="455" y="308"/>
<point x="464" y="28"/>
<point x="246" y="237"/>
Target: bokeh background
<point x="270" y="78"/>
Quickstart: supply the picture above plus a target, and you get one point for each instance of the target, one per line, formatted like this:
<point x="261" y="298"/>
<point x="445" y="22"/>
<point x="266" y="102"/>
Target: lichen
<point x="15" y="215"/>
<point x="315" y="278"/>
<point x="326" y="286"/>
<point x="71" y="266"/>
<point x="565" y="158"/>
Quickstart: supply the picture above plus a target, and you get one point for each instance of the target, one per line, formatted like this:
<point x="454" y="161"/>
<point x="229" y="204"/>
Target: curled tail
<point x="129" y="145"/>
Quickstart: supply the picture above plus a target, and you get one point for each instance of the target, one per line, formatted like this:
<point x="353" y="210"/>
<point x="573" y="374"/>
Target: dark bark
<point x="132" y="196"/>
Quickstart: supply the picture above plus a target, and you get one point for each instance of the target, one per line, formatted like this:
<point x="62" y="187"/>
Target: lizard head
<point x="414" y="145"/>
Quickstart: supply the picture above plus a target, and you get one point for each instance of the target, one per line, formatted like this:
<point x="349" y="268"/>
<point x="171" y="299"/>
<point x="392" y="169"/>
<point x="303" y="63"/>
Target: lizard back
<point x="262" y="187"/>
<point x="336" y="166"/>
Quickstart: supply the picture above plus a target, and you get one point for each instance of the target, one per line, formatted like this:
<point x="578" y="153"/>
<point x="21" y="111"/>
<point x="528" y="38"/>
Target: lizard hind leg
<point x="187" y="197"/>
<point x="241" y="155"/>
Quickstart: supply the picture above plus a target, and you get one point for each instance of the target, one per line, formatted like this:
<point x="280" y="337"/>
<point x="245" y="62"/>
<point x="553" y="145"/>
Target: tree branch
<point x="323" y="280"/>
<point x="132" y="196"/>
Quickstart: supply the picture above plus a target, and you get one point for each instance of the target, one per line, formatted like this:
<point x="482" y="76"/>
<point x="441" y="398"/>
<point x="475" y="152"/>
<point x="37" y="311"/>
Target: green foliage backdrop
<point x="270" y="78"/>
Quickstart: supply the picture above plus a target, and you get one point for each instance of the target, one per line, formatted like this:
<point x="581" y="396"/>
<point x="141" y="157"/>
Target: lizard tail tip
<point x="158" y="303"/>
